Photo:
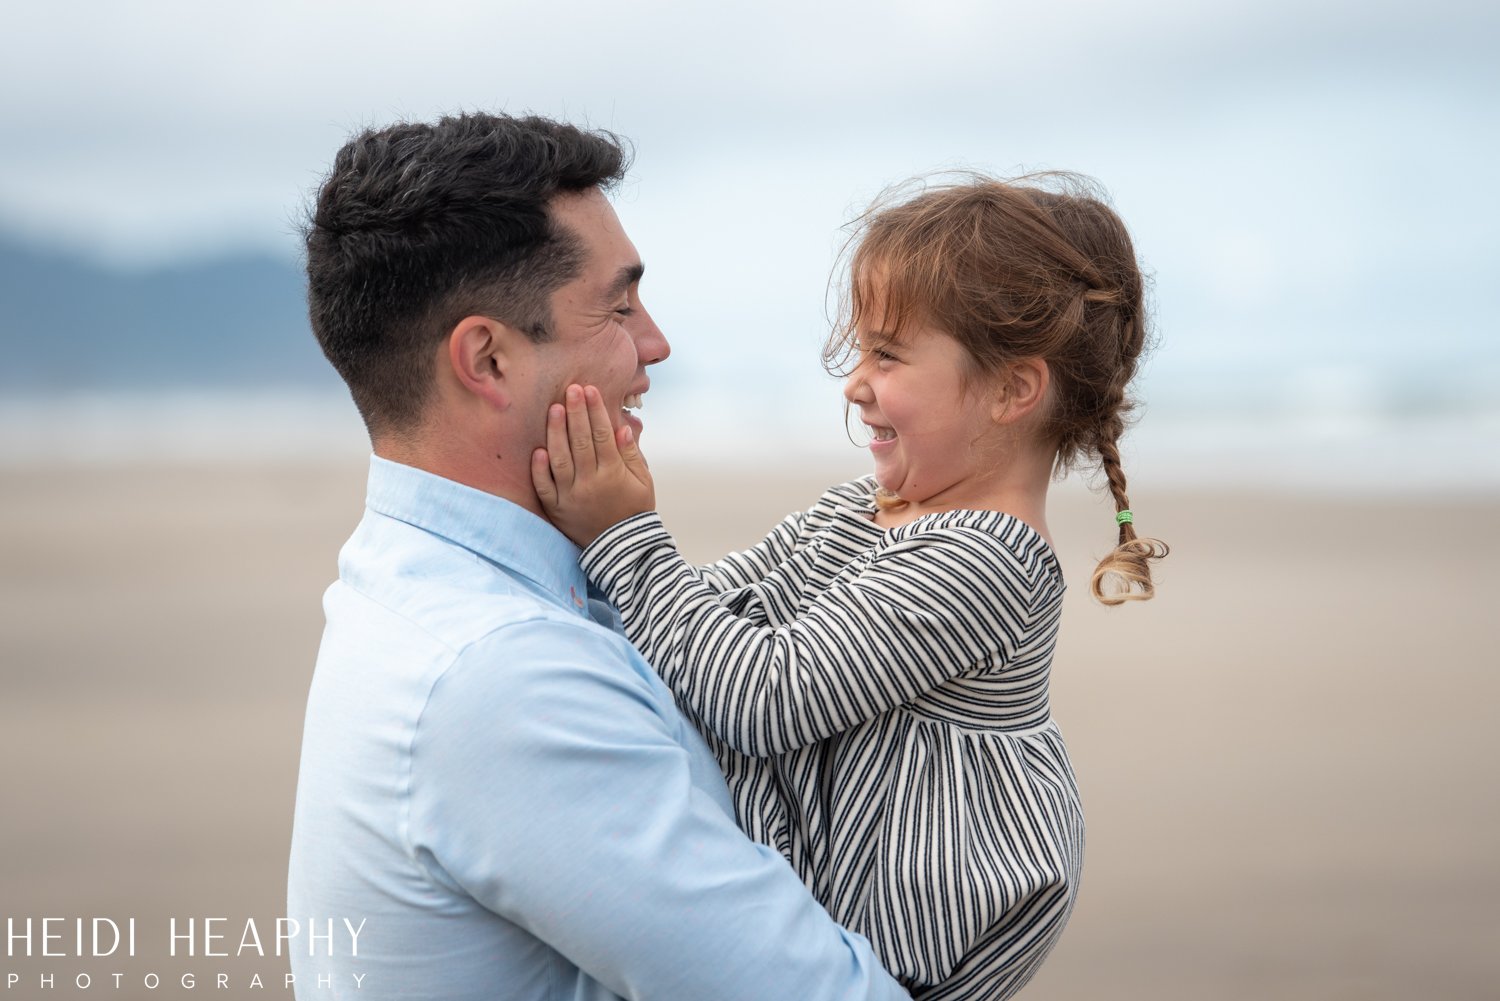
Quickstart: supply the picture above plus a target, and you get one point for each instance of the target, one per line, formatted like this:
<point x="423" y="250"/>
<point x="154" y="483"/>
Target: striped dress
<point x="877" y="700"/>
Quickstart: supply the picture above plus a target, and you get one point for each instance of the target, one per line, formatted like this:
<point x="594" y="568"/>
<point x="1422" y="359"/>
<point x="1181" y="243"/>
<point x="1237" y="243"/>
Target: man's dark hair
<point x="420" y="225"/>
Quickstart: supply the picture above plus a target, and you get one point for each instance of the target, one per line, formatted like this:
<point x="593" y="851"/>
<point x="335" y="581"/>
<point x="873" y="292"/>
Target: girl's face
<point x="935" y="440"/>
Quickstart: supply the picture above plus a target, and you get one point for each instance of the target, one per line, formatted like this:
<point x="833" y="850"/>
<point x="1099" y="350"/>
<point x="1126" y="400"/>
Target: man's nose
<point x="650" y="343"/>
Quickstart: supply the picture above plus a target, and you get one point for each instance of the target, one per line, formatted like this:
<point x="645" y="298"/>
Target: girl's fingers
<point x="559" y="457"/>
<point x="541" y="478"/>
<point x="630" y="452"/>
<point x="602" y="429"/>
<point x="580" y="434"/>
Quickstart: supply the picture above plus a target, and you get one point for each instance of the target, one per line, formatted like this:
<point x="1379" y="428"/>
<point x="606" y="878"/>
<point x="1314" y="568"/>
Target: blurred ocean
<point x="210" y="361"/>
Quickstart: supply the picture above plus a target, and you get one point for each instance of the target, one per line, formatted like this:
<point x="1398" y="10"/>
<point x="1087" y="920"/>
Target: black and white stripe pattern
<point x="878" y="702"/>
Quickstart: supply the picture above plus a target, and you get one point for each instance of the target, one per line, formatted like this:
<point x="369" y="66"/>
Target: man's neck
<point x="494" y="474"/>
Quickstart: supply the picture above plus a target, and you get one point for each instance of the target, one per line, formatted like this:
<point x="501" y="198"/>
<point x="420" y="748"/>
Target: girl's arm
<point x="591" y="476"/>
<point x="751" y="566"/>
<point x="926" y="609"/>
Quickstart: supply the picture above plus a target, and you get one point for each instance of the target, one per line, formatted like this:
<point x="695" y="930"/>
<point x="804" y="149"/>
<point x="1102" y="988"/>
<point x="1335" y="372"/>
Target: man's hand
<point x="590" y="475"/>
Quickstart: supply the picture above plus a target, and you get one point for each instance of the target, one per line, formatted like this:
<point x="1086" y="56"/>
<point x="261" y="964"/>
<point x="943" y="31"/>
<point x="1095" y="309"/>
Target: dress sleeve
<point x="922" y="610"/>
<point x="551" y="783"/>
<point x="749" y="567"/>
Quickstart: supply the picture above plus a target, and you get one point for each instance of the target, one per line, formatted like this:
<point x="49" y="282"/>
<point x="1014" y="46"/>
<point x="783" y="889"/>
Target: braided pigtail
<point x="1125" y="574"/>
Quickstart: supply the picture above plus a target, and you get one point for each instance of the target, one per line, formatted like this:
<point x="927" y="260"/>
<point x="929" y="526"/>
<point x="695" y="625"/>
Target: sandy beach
<point x="1288" y="759"/>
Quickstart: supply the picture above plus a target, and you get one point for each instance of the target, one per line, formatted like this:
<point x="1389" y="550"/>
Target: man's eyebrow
<point x="626" y="277"/>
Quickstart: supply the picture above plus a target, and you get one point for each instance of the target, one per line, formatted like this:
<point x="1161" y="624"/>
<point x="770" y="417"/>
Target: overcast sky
<point x="1312" y="184"/>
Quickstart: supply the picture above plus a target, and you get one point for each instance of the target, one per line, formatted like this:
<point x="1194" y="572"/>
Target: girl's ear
<point x="1020" y="390"/>
<point x="481" y="357"/>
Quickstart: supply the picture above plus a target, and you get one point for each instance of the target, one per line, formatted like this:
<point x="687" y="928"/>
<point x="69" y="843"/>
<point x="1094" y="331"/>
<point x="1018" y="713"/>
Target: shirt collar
<point x="489" y="526"/>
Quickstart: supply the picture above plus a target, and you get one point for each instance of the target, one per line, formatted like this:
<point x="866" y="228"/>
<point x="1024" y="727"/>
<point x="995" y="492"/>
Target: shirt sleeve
<point x="923" y="610"/>
<point x="750" y="566"/>
<point x="737" y="570"/>
<point x="552" y="783"/>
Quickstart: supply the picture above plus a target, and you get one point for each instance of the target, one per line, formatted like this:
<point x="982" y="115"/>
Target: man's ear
<point x="1021" y="390"/>
<point x="483" y="354"/>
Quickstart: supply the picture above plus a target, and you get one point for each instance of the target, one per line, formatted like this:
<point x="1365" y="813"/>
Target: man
<point x="497" y="797"/>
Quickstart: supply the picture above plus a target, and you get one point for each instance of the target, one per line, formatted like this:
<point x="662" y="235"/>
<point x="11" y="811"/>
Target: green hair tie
<point x="1124" y="518"/>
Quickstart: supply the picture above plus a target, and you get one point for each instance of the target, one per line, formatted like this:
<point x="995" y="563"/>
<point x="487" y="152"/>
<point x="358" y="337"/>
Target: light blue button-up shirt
<point x="498" y="794"/>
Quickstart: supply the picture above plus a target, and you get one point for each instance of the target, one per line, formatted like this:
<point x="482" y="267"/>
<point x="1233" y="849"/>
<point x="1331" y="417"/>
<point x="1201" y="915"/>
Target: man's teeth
<point x="632" y="402"/>
<point x="881" y="434"/>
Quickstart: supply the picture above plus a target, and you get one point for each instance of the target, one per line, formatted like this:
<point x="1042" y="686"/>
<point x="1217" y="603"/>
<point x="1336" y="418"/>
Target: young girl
<point x="873" y="675"/>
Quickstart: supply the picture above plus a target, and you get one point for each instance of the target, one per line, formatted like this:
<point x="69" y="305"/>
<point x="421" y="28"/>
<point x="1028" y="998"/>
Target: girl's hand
<point x="590" y="475"/>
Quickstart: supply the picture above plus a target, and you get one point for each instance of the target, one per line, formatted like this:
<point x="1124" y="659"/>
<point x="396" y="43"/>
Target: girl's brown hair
<point x="1035" y="267"/>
